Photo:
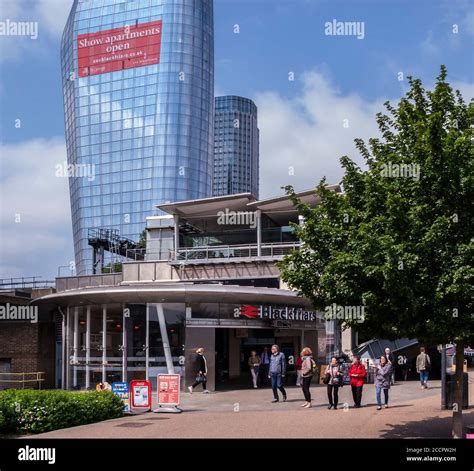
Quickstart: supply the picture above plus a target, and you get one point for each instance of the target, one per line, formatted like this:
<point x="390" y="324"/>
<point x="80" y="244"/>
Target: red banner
<point x="119" y="48"/>
<point x="168" y="389"/>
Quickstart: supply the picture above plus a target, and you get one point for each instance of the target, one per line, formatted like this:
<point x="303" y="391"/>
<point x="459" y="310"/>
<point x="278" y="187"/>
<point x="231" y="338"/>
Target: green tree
<point x="399" y="240"/>
<point x="142" y="240"/>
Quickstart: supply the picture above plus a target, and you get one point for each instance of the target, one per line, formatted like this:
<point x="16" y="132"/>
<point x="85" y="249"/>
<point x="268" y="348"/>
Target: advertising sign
<point x="141" y="394"/>
<point x="168" y="389"/>
<point x="119" y="48"/>
<point x="121" y="390"/>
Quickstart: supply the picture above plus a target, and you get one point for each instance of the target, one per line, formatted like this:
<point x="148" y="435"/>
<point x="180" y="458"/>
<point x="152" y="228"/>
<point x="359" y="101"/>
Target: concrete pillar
<point x="347" y="340"/>
<point x="258" y="214"/>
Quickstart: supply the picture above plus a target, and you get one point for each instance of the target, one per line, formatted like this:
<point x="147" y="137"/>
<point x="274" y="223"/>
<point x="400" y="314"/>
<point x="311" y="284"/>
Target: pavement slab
<point x="413" y="412"/>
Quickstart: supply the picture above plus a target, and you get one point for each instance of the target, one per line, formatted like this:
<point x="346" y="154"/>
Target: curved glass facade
<point x="236" y="146"/>
<point x="142" y="134"/>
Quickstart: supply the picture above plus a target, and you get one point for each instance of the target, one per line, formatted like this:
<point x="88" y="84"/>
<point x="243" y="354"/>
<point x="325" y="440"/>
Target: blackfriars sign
<point x="287" y="313"/>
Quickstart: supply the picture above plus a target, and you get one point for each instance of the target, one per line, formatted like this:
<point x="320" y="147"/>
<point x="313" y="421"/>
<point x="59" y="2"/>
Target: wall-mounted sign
<point x="114" y="49"/>
<point x="121" y="390"/>
<point x="141" y="394"/>
<point x="275" y="313"/>
<point x="168" y="389"/>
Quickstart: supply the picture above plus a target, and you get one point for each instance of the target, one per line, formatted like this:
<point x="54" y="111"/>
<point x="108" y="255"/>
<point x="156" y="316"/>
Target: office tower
<point x="236" y="146"/>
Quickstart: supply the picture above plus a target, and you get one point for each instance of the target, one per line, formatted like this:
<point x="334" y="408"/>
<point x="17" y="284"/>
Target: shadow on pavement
<point x="431" y="427"/>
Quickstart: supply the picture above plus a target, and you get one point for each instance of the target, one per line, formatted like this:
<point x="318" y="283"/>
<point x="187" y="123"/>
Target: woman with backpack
<point x="334" y="379"/>
<point x="308" y="368"/>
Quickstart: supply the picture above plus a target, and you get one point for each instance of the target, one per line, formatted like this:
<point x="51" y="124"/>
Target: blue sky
<point x="336" y="78"/>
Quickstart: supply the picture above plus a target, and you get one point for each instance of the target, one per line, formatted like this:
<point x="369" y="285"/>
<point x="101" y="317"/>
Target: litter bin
<point x="449" y="391"/>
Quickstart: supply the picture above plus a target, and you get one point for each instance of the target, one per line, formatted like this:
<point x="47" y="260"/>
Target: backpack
<point x="314" y="367"/>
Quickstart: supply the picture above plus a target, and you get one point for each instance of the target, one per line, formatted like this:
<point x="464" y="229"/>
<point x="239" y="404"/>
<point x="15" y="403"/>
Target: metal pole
<point x="164" y="338"/>
<point x="104" y="342"/>
<point x="124" y="347"/>
<point x="68" y="348"/>
<point x="147" y="342"/>
<point x="88" y="346"/>
<point x="76" y="346"/>
<point x="443" y="376"/>
<point x="63" y="348"/>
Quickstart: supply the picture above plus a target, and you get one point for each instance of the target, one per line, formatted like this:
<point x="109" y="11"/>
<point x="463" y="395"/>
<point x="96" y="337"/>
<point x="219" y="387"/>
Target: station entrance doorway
<point x="233" y="348"/>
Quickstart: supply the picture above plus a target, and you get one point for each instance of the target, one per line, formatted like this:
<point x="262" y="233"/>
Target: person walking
<point x="357" y="374"/>
<point x="390" y="357"/>
<point x="334" y="380"/>
<point x="299" y="362"/>
<point x="383" y="374"/>
<point x="264" y="365"/>
<point x="254" y="364"/>
<point x="276" y="372"/>
<point x="423" y="366"/>
<point x="404" y="365"/>
<point x="308" y="368"/>
<point x="200" y="366"/>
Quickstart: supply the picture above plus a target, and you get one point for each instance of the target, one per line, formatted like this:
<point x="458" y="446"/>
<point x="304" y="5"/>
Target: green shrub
<point x="30" y="411"/>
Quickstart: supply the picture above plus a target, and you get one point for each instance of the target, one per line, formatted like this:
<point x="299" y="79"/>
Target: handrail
<point x="38" y="378"/>
<point x="231" y="251"/>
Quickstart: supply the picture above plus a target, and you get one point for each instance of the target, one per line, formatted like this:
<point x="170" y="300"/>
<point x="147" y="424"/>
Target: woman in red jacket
<point x="357" y="374"/>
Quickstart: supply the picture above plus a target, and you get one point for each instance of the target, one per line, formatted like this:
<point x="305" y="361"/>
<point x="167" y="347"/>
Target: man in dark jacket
<point x="276" y="372"/>
<point x="200" y="365"/>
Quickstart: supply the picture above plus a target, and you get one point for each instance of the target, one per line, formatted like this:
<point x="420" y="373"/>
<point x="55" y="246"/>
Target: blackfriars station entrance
<point x="126" y="332"/>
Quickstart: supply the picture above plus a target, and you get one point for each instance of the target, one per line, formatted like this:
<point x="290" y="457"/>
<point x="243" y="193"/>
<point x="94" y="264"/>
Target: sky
<point x="315" y="94"/>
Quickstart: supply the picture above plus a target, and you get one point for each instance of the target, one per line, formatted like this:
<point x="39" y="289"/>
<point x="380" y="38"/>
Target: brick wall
<point x="31" y="348"/>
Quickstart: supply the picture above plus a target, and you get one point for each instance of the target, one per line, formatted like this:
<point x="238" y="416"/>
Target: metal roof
<point x="179" y="292"/>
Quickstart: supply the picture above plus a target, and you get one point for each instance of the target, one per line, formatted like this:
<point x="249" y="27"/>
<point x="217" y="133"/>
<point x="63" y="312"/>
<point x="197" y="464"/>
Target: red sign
<point x="119" y="48"/>
<point x="251" y="312"/>
<point x="141" y="394"/>
<point x="168" y="389"/>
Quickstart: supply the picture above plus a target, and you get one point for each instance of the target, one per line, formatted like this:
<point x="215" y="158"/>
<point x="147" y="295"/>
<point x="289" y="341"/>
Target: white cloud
<point x="307" y="134"/>
<point x="53" y="15"/>
<point x="42" y="240"/>
<point x="49" y="17"/>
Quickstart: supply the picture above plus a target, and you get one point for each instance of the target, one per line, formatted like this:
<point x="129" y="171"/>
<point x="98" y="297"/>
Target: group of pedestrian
<point x="273" y="366"/>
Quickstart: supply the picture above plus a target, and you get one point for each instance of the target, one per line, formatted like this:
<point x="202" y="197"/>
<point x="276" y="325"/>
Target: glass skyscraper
<point x="138" y="84"/>
<point x="236" y="146"/>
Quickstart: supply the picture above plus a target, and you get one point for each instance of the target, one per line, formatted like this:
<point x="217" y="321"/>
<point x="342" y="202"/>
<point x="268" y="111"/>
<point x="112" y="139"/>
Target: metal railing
<point x="26" y="282"/>
<point x="22" y="378"/>
<point x="135" y="254"/>
<point x="228" y="252"/>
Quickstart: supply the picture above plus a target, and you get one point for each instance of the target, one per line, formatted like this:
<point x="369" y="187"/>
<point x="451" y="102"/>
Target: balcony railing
<point x="221" y="253"/>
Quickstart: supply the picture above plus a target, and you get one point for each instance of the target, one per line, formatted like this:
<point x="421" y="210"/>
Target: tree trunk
<point x="458" y="396"/>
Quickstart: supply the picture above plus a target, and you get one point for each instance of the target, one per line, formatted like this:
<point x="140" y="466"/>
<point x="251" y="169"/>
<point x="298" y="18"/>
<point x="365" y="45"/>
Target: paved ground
<point x="413" y="412"/>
